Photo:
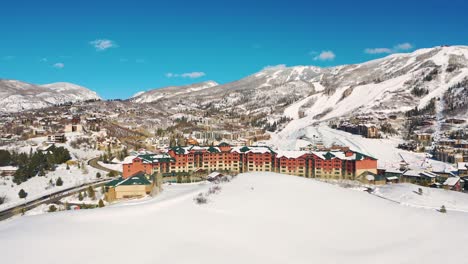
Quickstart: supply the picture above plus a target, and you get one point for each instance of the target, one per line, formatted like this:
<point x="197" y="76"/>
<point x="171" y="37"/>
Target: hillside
<point x="17" y="96"/>
<point x="170" y="92"/>
<point x="394" y="84"/>
<point x="256" y="218"/>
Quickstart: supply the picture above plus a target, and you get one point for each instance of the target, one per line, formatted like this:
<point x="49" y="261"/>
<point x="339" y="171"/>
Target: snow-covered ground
<point x="431" y="198"/>
<point x="40" y="186"/>
<point x="111" y="166"/>
<point x="34" y="143"/>
<point x="256" y="218"/>
<point x="37" y="187"/>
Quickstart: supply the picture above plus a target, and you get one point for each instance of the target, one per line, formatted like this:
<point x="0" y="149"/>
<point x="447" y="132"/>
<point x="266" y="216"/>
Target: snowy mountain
<point x="17" y="96"/>
<point x="396" y="83"/>
<point x="171" y="92"/>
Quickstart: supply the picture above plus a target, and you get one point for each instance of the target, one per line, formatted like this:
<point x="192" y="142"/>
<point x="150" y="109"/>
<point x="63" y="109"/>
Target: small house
<point x="453" y="183"/>
<point x="8" y="170"/>
<point x="214" y="176"/>
<point x="368" y="177"/>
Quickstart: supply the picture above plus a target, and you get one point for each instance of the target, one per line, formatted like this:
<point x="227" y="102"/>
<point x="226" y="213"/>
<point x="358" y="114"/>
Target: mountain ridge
<point x="17" y="96"/>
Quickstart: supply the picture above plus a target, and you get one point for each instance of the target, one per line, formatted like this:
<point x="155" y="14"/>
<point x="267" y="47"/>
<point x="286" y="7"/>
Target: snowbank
<point x="431" y="198"/>
<point x="256" y="218"/>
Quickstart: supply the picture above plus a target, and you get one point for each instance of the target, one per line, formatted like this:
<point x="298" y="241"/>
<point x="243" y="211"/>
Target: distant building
<point x="462" y="169"/>
<point x="425" y="178"/>
<point x="57" y="138"/>
<point x="8" y="170"/>
<point x="453" y="183"/>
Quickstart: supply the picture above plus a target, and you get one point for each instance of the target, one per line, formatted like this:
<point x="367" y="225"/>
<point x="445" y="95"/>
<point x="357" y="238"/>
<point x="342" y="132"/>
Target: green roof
<point x="137" y="179"/>
<point x="178" y="150"/>
<point x="213" y="149"/>
<point x="328" y="155"/>
<point x="244" y="149"/>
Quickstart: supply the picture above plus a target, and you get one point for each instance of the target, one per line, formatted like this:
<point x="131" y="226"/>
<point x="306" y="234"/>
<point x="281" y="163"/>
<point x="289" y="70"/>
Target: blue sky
<point x="118" y="49"/>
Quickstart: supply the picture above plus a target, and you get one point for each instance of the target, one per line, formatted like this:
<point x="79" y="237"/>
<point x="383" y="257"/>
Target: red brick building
<point x="186" y="160"/>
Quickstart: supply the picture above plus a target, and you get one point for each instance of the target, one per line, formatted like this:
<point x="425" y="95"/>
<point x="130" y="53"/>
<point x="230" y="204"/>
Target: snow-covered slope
<point x="385" y="85"/>
<point x="171" y="92"/>
<point x="396" y="83"/>
<point x="17" y="96"/>
<point x="256" y="218"/>
<point x="407" y="194"/>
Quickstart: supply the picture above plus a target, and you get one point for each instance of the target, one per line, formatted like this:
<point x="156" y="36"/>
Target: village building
<point x="462" y="169"/>
<point x="368" y="177"/>
<point x="8" y="170"/>
<point x="453" y="183"/>
<point x="56" y="138"/>
<point x="424" y="178"/>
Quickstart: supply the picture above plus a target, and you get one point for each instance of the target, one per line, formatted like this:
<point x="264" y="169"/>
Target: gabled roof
<point x="451" y="181"/>
<point x="328" y="156"/>
<point x="213" y="150"/>
<point x="137" y="179"/>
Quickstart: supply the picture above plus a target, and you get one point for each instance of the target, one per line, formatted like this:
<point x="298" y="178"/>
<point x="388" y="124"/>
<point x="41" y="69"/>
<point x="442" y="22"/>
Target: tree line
<point x="35" y="163"/>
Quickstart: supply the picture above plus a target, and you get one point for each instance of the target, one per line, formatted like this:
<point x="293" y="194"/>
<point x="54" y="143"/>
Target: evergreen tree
<point x="5" y="158"/>
<point x="101" y="203"/>
<point x="80" y="196"/>
<point x="98" y="175"/>
<point x="59" y="182"/>
<point x="68" y="167"/>
<point x="91" y="193"/>
<point x="22" y="194"/>
<point x="442" y="209"/>
<point x="52" y="208"/>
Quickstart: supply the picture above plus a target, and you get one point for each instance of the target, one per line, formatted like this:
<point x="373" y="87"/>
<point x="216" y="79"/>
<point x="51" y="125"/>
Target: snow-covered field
<point x="431" y="198"/>
<point x="37" y="187"/>
<point x="256" y="218"/>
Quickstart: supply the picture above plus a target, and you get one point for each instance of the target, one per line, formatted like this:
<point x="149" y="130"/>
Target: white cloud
<point x="397" y="48"/>
<point x="103" y="44"/>
<point x="59" y="65"/>
<point x="378" y="50"/>
<point x="325" y="55"/>
<point x="191" y="75"/>
<point x="404" y="46"/>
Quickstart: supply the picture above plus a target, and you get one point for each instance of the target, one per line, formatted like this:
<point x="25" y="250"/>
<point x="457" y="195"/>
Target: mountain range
<point x="396" y="83"/>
